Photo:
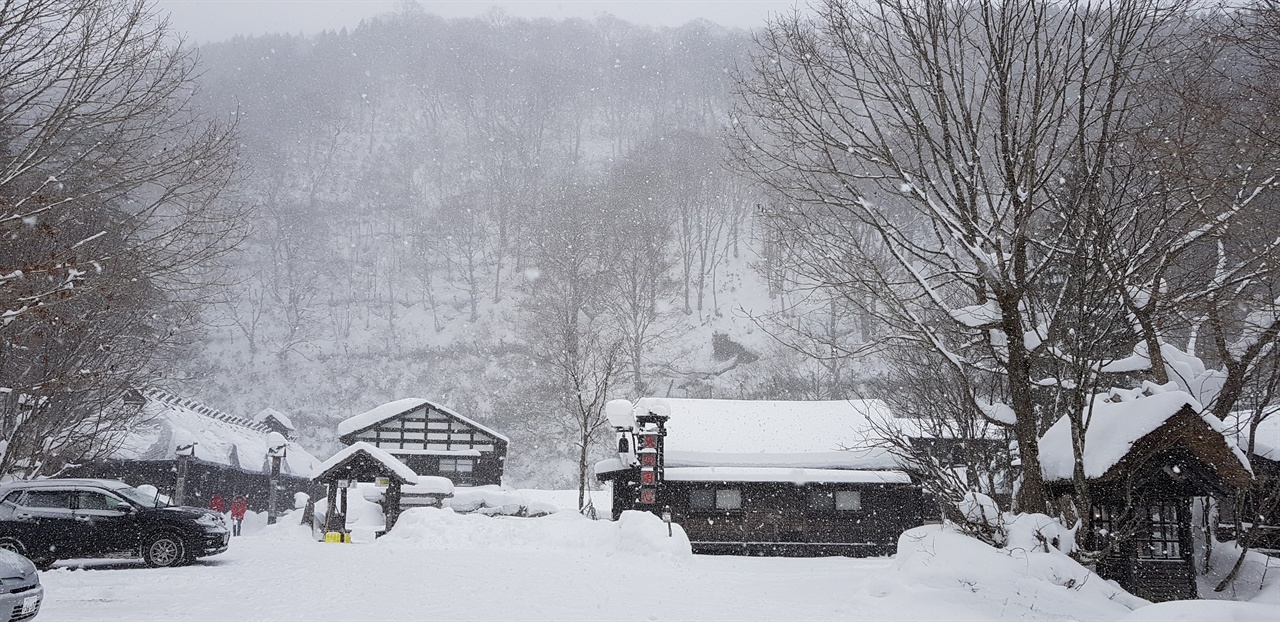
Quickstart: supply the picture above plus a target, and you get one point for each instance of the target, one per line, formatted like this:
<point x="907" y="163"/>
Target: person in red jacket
<point x="238" y="507"/>
<point x="216" y="504"/>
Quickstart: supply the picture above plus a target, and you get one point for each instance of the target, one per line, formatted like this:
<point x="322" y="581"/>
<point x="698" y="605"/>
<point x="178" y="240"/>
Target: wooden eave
<point x="360" y="462"/>
<point x="1187" y="430"/>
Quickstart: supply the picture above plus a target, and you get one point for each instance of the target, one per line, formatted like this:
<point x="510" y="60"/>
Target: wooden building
<point x="763" y="478"/>
<point x="1147" y="453"/>
<point x="431" y="440"/>
<point x="229" y="457"/>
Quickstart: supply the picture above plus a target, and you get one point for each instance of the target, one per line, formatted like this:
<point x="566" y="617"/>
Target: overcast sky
<point x="214" y="20"/>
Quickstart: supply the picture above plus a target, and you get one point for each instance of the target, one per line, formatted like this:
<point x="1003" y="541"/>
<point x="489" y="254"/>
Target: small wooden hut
<point x="1147" y="453"/>
<point x="362" y="462"/>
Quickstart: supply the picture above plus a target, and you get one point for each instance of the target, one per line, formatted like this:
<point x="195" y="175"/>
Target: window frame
<point x="716" y="497"/>
<point x="831" y="508"/>
<point x="455" y="462"/>
<point x="1161" y="539"/>
<point x="22" y="502"/>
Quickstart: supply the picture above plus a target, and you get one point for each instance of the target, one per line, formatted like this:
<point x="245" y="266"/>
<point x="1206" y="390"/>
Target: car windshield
<point x="141" y="498"/>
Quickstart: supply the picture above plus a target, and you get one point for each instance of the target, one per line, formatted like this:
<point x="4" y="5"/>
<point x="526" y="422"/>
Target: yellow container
<point x="337" y="536"/>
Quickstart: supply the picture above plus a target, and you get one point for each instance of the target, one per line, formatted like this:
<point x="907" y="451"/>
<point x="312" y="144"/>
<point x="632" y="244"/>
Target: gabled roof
<point x="220" y="438"/>
<point x="361" y="450"/>
<point x="1123" y="418"/>
<point x="746" y="433"/>
<point x="391" y="410"/>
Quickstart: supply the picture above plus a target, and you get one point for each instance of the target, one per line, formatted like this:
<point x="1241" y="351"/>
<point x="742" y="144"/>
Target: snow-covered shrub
<point x="980" y="517"/>
<point x="939" y="557"/>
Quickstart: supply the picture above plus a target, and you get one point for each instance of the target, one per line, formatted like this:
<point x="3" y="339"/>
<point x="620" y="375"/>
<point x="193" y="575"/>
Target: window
<point x="13" y="497"/>
<point x="1163" y="539"/>
<point x="827" y="500"/>
<point x="48" y="499"/>
<point x="89" y="500"/>
<point x="707" y="500"/>
<point x="457" y="465"/>
<point x="848" y="500"/>
<point x="729" y="499"/>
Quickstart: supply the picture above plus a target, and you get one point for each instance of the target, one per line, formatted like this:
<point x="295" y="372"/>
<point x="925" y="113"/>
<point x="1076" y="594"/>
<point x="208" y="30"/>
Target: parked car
<point x="20" y="589"/>
<point x="52" y="519"/>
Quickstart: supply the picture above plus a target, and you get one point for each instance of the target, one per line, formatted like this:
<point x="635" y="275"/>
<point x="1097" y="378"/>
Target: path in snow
<point x="273" y="578"/>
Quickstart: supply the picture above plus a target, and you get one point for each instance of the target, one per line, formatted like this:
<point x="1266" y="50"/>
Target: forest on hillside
<point x="494" y="213"/>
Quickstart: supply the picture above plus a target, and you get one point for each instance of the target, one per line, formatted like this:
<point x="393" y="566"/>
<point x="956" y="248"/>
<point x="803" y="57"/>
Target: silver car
<point x="20" y="589"/>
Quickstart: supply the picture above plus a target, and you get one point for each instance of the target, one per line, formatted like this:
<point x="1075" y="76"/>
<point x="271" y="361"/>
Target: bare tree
<point x="943" y="132"/>
<point x="112" y="216"/>
<point x="572" y="332"/>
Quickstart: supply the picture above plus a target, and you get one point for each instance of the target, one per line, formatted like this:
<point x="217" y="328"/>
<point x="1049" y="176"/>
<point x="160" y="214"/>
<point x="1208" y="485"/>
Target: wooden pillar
<point x="343" y="526"/>
<point x="180" y="487"/>
<point x="275" y="490"/>
<point x="333" y="507"/>
<point x="392" y="502"/>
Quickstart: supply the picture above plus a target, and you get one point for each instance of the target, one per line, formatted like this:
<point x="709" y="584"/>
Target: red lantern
<point x="650" y="441"/>
<point x="649" y="460"/>
<point x="648" y="495"/>
<point x="648" y="478"/>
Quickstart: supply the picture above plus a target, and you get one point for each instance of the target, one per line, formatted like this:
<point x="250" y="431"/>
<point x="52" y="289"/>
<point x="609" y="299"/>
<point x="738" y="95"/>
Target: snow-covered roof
<point x="1266" y="441"/>
<point x="430" y="485"/>
<point x="795" y="476"/>
<point x="394" y="409"/>
<point x="167" y="420"/>
<point x="1120" y="418"/>
<point x="772" y="433"/>
<point x="271" y="413"/>
<point x="382" y="457"/>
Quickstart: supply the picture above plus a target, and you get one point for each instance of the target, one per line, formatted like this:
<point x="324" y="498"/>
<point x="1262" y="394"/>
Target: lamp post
<point x="277" y="445"/>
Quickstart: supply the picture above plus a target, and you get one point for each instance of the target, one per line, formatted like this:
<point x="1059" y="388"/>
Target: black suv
<point x="53" y="519"/>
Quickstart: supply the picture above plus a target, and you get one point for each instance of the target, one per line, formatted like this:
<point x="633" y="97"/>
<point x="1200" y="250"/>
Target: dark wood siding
<point x="776" y="518"/>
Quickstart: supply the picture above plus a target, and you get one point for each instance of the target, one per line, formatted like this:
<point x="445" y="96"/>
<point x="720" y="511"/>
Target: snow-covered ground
<point x="437" y="564"/>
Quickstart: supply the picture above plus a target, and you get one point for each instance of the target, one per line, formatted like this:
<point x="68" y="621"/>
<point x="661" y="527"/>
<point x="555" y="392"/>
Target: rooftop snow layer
<point x="398" y="407"/>
<point x="220" y="438"/>
<point x="271" y="413"/>
<point x="395" y="466"/>
<point x="767" y="433"/>
<point x="430" y="485"/>
<point x="1120" y="418"/>
<point x="796" y="476"/>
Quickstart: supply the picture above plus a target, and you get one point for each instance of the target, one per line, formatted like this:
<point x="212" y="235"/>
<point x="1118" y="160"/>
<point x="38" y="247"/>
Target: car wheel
<point x="163" y="550"/>
<point x="16" y="546"/>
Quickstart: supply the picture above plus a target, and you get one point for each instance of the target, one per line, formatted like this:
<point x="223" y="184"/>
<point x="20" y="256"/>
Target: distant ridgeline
<point x="229" y="456"/>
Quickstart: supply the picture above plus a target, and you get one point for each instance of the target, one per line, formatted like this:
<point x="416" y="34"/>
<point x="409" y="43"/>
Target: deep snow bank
<point x="938" y="562"/>
<point x="1204" y="611"/>
<point x="444" y="529"/>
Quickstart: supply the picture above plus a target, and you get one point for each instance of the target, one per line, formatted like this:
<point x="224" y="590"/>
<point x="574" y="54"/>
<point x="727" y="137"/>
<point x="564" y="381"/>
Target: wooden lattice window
<point x="457" y="465"/>
<point x="1163" y="537"/>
